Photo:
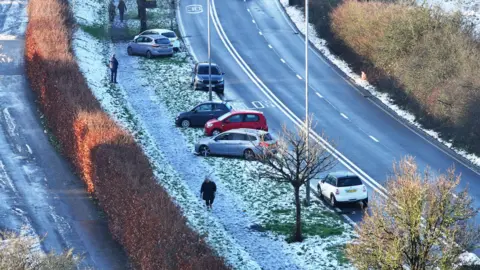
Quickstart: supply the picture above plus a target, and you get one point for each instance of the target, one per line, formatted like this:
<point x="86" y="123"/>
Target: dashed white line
<point x="318" y="94"/>
<point x="298" y="76"/>
<point x="260" y="33"/>
<point x="344" y="116"/>
<point x="373" y="138"/>
<point x="270" y="46"/>
<point x="248" y="10"/>
<point x="283" y="61"/>
<point x="253" y="21"/>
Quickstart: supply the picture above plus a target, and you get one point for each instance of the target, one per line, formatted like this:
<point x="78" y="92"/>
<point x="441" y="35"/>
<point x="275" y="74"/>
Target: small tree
<point x="296" y="164"/>
<point x="422" y="224"/>
<point x="23" y="252"/>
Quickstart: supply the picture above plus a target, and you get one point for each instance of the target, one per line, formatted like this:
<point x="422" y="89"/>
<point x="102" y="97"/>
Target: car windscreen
<point x="204" y="70"/>
<point x="349" y="182"/>
<point x="221" y="118"/>
<point x="162" y="41"/>
<point x="169" y="34"/>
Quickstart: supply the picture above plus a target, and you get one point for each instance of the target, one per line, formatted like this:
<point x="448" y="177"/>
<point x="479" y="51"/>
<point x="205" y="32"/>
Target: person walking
<point x="111" y="11"/>
<point x="207" y="191"/>
<point x="113" y="69"/>
<point x="121" y="9"/>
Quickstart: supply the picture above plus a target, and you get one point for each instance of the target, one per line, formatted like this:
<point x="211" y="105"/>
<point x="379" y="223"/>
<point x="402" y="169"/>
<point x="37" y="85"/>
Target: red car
<point x="234" y="120"/>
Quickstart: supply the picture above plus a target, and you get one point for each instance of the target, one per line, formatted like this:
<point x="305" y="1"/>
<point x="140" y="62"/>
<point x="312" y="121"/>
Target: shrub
<point x="141" y="215"/>
<point x="432" y="57"/>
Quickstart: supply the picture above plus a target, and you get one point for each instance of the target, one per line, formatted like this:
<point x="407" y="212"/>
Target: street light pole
<point x="209" y="56"/>
<point x="307" y="128"/>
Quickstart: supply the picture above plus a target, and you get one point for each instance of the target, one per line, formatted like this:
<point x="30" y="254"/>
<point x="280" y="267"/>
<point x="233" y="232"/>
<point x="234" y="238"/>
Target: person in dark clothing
<point x="207" y="191"/>
<point x="121" y="9"/>
<point x="113" y="69"/>
<point x="111" y="10"/>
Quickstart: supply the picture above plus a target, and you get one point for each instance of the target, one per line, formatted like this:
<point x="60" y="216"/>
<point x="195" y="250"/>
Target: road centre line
<point x="283" y="61"/>
<point x="253" y="21"/>
<point x="344" y="116"/>
<point x="298" y="76"/>
<point x="270" y="46"/>
<point x="295" y="119"/>
<point x="260" y="32"/>
<point x="318" y="94"/>
<point x="373" y="138"/>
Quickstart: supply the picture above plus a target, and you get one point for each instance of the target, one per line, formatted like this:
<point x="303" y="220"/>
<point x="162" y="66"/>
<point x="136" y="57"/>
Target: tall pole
<point x="209" y="56"/>
<point x="307" y="128"/>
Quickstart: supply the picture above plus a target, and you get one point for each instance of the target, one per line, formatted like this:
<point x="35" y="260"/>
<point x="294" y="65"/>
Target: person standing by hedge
<point x="121" y="9"/>
<point x="207" y="191"/>
<point x="113" y="69"/>
<point x="111" y="10"/>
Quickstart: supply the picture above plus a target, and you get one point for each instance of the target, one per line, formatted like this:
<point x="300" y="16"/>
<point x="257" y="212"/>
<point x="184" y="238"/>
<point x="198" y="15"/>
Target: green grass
<point x="96" y="30"/>
<point x="339" y="252"/>
<point x="308" y="229"/>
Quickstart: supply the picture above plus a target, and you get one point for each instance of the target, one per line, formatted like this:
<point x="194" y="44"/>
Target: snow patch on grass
<point x="297" y="17"/>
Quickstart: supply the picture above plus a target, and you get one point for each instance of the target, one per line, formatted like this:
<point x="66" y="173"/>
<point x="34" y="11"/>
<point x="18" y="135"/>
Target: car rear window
<point x="267" y="137"/>
<point x="204" y="70"/>
<point x="169" y="34"/>
<point x="349" y="182"/>
<point x="162" y="41"/>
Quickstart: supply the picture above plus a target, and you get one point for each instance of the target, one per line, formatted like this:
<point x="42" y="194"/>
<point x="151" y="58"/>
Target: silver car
<point x="164" y="32"/>
<point x="150" y="46"/>
<point x="243" y="142"/>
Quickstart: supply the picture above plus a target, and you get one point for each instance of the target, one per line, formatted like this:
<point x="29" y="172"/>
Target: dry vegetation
<point x="141" y="215"/>
<point x="432" y="57"/>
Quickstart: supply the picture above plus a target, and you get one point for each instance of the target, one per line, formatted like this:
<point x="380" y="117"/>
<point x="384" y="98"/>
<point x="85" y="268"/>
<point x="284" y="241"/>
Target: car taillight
<point x="337" y="191"/>
<point x="364" y="189"/>
<point x="264" y="144"/>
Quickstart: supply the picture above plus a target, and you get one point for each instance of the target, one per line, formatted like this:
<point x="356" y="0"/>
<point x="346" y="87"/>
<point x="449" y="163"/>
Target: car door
<point x="146" y="45"/>
<point x="237" y="144"/>
<point x="251" y="121"/>
<point x="202" y="114"/>
<point x="327" y="186"/>
<point x="136" y="45"/>
<point x="219" y="110"/>
<point x="233" y="122"/>
<point x="219" y="145"/>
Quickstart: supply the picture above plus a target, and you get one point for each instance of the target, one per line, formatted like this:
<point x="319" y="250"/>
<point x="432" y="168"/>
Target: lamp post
<point x="307" y="128"/>
<point x="209" y="56"/>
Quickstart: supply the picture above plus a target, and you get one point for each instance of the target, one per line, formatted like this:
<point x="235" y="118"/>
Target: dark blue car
<point x="198" y="116"/>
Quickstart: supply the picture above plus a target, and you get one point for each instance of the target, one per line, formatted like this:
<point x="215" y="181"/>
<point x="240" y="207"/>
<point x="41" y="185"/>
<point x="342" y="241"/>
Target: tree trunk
<point x="143" y="19"/>
<point x="298" y="221"/>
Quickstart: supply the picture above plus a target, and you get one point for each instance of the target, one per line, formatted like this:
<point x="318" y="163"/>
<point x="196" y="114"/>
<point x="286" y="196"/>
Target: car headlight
<point x="209" y="125"/>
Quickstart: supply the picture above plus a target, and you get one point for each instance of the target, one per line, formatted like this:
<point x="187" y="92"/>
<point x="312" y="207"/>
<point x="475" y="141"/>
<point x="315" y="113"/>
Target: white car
<point x="164" y="32"/>
<point x="342" y="187"/>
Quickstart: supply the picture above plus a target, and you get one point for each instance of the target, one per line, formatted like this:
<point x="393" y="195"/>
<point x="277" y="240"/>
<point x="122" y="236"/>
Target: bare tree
<point x="23" y="252"/>
<point x="294" y="163"/>
<point x="422" y="224"/>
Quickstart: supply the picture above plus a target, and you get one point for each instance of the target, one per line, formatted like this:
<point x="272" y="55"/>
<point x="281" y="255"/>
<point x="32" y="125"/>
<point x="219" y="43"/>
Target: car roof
<point x="342" y="174"/>
<point x="154" y="36"/>
<point x="249" y="131"/>
<point x="206" y="64"/>
<point x="159" y="30"/>
<point x="212" y="102"/>
<point x="247" y="111"/>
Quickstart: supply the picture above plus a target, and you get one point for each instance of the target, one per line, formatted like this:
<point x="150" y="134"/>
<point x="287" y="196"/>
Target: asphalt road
<point x="263" y="57"/>
<point x="37" y="187"/>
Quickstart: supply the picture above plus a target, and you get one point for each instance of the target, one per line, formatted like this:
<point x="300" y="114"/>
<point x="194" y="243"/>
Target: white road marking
<point x="270" y="46"/>
<point x="10" y="122"/>
<point x="344" y="116"/>
<point x="260" y="33"/>
<point x="253" y="21"/>
<point x="373" y="138"/>
<point x="283" y="61"/>
<point x="194" y="9"/>
<point x="349" y="220"/>
<point x="349" y="165"/>
<point x="318" y="94"/>
<point x="298" y="76"/>
<point x="258" y="104"/>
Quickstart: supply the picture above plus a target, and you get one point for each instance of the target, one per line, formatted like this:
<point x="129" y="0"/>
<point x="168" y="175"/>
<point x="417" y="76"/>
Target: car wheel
<point x="185" y="123"/>
<point x="215" y="132"/>
<point x="249" y="154"/>
<point x="149" y="55"/>
<point x="204" y="150"/>
<point x="365" y="203"/>
<point x="333" y="201"/>
<point x="129" y="51"/>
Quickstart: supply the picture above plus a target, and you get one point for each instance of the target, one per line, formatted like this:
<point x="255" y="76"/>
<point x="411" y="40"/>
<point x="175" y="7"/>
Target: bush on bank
<point x="426" y="59"/>
<point x="141" y="215"/>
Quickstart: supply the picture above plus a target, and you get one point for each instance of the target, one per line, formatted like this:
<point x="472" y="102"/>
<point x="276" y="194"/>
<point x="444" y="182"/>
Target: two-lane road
<point x="264" y="58"/>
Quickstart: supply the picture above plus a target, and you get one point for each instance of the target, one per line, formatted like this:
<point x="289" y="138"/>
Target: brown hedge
<point x="141" y="215"/>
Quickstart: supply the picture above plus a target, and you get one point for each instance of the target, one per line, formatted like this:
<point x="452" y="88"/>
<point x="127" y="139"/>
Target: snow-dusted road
<point x="37" y="188"/>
